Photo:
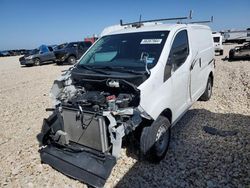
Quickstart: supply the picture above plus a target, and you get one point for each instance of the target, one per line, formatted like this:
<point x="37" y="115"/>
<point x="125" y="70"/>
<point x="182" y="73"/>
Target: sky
<point x="30" y="23"/>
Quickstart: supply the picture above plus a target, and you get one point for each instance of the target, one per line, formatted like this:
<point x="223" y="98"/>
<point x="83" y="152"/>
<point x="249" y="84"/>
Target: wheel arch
<point x="71" y="55"/>
<point x="36" y="58"/>
<point x="168" y="114"/>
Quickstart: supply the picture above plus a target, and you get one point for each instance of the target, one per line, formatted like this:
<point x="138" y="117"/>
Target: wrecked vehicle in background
<point x="71" y="52"/>
<point x="135" y="80"/>
<point x="240" y="52"/>
<point x="43" y="54"/>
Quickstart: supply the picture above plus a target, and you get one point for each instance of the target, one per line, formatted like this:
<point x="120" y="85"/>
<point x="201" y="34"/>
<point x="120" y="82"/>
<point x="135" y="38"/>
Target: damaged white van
<point x="137" y="79"/>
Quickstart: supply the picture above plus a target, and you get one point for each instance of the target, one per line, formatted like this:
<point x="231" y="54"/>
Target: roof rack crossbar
<point x="206" y="21"/>
<point x="139" y="23"/>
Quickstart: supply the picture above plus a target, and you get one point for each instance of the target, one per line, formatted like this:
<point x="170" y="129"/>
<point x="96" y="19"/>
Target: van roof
<point x="118" y="29"/>
<point x="216" y="35"/>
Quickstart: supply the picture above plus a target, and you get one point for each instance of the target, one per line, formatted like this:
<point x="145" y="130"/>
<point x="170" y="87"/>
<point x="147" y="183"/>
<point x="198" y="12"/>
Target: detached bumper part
<point x="83" y="166"/>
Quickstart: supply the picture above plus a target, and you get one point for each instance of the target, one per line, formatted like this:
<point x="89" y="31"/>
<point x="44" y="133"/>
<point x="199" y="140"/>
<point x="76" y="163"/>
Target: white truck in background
<point x="236" y="36"/>
<point x="218" y="46"/>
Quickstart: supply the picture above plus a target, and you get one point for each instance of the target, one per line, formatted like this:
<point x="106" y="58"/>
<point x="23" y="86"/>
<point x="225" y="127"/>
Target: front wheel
<point x="37" y="62"/>
<point x="221" y="52"/>
<point x="71" y="60"/>
<point x="155" y="140"/>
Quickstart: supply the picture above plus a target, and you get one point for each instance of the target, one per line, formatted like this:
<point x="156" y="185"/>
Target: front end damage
<point x="82" y="138"/>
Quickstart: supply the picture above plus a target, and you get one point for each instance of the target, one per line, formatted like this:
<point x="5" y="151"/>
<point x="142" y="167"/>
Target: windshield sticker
<point x="151" y="41"/>
<point x="150" y="60"/>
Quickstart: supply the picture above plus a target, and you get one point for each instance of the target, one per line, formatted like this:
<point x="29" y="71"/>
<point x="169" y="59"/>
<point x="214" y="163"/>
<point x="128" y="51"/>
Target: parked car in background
<point x="41" y="55"/>
<point x="4" y="54"/>
<point x="240" y="52"/>
<point x="218" y="46"/>
<point x="70" y="52"/>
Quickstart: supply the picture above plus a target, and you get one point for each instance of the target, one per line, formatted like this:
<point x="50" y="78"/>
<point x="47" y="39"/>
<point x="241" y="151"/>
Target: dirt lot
<point x="195" y="158"/>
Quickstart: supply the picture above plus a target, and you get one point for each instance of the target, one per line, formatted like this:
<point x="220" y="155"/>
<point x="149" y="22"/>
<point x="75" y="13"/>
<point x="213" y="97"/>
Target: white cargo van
<point x="137" y="78"/>
<point x="218" y="46"/>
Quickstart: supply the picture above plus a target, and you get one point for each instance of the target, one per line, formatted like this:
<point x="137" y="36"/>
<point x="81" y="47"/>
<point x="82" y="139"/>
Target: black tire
<point x="231" y="54"/>
<point x="155" y="139"/>
<point x="37" y="62"/>
<point x="71" y="60"/>
<point x="59" y="63"/>
<point x="221" y="52"/>
<point x="208" y="92"/>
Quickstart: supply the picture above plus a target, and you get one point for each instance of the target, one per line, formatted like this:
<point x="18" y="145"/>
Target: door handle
<point x="193" y="64"/>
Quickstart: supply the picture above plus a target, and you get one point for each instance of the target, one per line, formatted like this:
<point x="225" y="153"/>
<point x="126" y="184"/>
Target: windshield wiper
<point x="94" y="70"/>
<point x="120" y="69"/>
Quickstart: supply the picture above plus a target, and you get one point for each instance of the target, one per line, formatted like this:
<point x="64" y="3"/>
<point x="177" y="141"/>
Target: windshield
<point x="43" y="49"/>
<point x="34" y="51"/>
<point x="61" y="46"/>
<point x="73" y="44"/>
<point x="130" y="50"/>
<point x="216" y="39"/>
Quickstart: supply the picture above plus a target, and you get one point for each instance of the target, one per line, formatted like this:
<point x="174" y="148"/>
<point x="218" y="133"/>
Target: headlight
<point x="29" y="57"/>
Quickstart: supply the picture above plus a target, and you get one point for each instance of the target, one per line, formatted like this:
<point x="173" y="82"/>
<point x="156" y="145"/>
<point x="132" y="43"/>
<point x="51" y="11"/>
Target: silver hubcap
<point x="161" y="140"/>
<point x="209" y="89"/>
<point x="36" y="62"/>
<point x="72" y="60"/>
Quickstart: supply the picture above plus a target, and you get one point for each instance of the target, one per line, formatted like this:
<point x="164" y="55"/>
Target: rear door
<point x="50" y="54"/>
<point x="46" y="53"/>
<point x="195" y="82"/>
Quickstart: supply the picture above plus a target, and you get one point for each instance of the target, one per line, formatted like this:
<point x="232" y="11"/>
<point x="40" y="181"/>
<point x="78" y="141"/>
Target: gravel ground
<point x="195" y="158"/>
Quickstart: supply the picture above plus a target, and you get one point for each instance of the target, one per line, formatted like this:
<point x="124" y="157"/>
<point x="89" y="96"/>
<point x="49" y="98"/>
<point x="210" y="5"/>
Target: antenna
<point x="206" y="21"/>
<point x="138" y="24"/>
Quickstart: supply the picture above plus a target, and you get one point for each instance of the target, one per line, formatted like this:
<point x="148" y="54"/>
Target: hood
<point x="79" y="75"/>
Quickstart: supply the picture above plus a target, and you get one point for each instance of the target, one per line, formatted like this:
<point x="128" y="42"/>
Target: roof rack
<point x="140" y="23"/>
<point x="206" y="21"/>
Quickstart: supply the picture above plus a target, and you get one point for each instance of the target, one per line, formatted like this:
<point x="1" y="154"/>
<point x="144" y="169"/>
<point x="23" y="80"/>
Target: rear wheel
<point x="208" y="92"/>
<point x="155" y="140"/>
<point x="37" y="62"/>
<point x="221" y="52"/>
<point x="71" y="60"/>
<point x="231" y="54"/>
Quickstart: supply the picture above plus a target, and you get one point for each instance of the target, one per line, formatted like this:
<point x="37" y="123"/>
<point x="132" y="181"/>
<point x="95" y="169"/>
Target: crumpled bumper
<point x="87" y="165"/>
<point x="83" y="166"/>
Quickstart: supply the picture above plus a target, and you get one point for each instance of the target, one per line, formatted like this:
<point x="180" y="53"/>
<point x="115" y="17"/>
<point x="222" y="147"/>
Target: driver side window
<point x="178" y="53"/>
<point x="179" y="50"/>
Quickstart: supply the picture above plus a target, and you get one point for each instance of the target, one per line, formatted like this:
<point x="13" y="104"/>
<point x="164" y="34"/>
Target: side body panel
<point x="184" y="86"/>
<point x="202" y="47"/>
<point x="157" y="95"/>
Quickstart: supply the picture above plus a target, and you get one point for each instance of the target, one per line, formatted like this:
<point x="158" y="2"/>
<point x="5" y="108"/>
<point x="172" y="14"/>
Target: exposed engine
<point x="99" y="101"/>
<point x="95" y="114"/>
<point x="110" y="96"/>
